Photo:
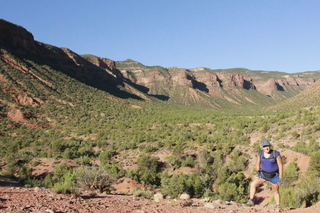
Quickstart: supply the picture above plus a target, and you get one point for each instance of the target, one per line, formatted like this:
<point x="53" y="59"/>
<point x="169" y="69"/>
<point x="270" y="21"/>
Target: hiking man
<point x="269" y="167"/>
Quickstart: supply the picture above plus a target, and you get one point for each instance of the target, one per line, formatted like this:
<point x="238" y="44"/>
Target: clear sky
<point x="271" y="35"/>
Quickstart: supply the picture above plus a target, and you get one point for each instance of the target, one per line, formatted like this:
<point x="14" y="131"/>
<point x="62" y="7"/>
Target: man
<point x="269" y="167"/>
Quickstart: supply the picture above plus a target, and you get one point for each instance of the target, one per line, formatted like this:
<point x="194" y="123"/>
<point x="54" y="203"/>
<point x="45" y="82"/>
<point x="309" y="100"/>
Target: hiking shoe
<point x="279" y="208"/>
<point x="250" y="203"/>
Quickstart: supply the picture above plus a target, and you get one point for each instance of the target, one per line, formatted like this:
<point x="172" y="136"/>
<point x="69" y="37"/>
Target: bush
<point x="48" y="182"/>
<point x="173" y="186"/>
<point x="60" y="170"/>
<point x="66" y="185"/>
<point x="106" y="156"/>
<point x="148" y="167"/>
<point x="308" y="191"/>
<point x="143" y="193"/>
<point x="315" y="162"/>
<point x="289" y="197"/>
<point x="228" y="191"/>
<point x="173" y="162"/>
<point x="233" y="188"/>
<point x="25" y="174"/>
<point x="194" y="185"/>
<point x="93" y="178"/>
<point x="291" y="174"/>
<point x="189" y="161"/>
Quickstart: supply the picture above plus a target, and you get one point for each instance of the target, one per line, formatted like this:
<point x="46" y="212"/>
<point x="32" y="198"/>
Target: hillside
<point x="231" y="88"/>
<point x="173" y="130"/>
<point x="216" y="88"/>
<point x="307" y="98"/>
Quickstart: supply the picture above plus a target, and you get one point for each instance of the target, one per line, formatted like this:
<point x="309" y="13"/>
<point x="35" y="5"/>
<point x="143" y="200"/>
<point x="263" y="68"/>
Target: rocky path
<point x="15" y="198"/>
<point x="41" y="200"/>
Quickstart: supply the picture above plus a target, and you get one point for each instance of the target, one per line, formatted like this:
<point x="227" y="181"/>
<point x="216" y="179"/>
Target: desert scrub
<point x="93" y="178"/>
<point x="143" y="193"/>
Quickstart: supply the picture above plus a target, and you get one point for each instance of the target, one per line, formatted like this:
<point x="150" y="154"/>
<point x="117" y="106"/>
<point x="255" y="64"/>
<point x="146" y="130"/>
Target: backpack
<point x="273" y="155"/>
<point x="268" y="174"/>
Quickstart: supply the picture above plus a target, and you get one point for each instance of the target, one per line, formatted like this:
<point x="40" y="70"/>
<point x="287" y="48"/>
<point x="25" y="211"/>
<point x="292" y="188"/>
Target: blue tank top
<point x="269" y="164"/>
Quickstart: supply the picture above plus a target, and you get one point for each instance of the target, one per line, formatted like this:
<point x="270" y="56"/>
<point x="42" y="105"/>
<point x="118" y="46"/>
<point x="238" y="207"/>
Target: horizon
<point x="266" y="35"/>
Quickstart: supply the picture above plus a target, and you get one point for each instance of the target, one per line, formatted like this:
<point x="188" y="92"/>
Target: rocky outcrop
<point x="149" y="78"/>
<point x="295" y="81"/>
<point x="18" y="42"/>
<point x="267" y="87"/>
<point x="105" y="64"/>
<point x="228" y="85"/>
<point x="181" y="77"/>
<point x="16" y="36"/>
<point x="236" y="80"/>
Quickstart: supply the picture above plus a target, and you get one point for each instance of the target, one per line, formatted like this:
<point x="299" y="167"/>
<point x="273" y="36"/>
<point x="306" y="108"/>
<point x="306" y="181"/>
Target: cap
<point x="265" y="143"/>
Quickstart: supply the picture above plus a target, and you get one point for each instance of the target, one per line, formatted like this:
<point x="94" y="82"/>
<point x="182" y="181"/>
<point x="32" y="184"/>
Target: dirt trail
<point x="15" y="198"/>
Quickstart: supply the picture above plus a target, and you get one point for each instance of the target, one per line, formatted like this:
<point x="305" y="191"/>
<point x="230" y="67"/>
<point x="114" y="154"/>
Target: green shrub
<point x="143" y="193"/>
<point x="48" y="181"/>
<point x="289" y="197"/>
<point x="173" y="186"/>
<point x="60" y="170"/>
<point x="66" y="185"/>
<point x="149" y="149"/>
<point x="173" y="162"/>
<point x="106" y="156"/>
<point x="93" y="178"/>
<point x="234" y="188"/>
<point x="25" y="174"/>
<point x="228" y="191"/>
<point x="148" y="167"/>
<point x="188" y="162"/>
<point x="308" y="190"/>
<point x="194" y="185"/>
<point x="290" y="174"/>
<point x="314" y="164"/>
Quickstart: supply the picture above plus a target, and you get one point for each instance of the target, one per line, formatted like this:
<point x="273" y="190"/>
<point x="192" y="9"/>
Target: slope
<point x="310" y="97"/>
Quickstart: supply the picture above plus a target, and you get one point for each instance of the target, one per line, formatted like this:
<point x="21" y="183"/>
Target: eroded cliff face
<point x="169" y="83"/>
<point x="220" y="84"/>
<point x="285" y="84"/>
<point x="21" y="58"/>
<point x="16" y="36"/>
<point x="18" y="47"/>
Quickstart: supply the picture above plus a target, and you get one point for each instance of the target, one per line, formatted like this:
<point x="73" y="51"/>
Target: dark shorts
<point x="273" y="180"/>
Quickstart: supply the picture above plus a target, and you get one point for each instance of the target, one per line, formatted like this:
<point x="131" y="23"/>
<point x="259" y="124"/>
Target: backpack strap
<point x="273" y="155"/>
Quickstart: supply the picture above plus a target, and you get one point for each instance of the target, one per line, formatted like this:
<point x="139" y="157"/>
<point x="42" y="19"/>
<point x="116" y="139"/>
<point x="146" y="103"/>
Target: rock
<point x="185" y="196"/>
<point x="219" y="202"/>
<point x="158" y="197"/>
<point x="212" y="206"/>
<point x="186" y="203"/>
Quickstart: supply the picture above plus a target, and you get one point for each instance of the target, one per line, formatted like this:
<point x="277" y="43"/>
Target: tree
<point x="172" y="161"/>
<point x="148" y="167"/>
<point x="173" y="186"/>
<point x="315" y="162"/>
<point x="291" y="174"/>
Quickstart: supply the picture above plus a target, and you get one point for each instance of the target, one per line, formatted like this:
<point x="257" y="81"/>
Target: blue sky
<point x="271" y="35"/>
